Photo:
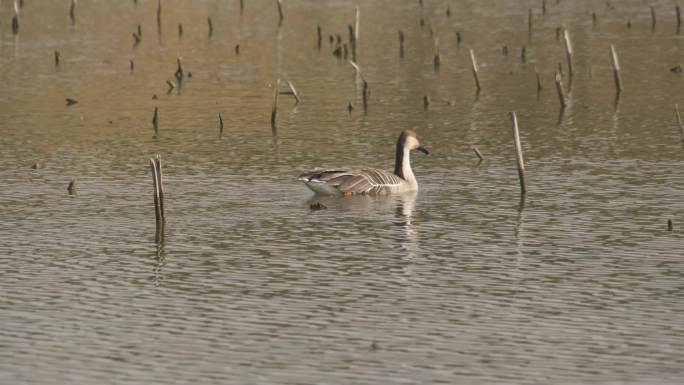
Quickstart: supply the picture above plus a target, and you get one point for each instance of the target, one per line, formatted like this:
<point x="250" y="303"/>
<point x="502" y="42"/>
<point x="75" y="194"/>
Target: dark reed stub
<point x="317" y="206"/>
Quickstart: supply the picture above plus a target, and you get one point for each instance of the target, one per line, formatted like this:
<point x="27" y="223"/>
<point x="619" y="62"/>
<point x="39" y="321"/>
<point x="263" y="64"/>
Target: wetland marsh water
<point x="454" y="284"/>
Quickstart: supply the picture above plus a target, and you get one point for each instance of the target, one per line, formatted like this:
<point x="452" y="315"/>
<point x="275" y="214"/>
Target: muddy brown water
<point x="455" y="284"/>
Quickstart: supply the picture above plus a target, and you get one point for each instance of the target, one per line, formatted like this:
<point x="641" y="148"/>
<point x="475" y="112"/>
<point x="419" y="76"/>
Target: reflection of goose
<point x="370" y="180"/>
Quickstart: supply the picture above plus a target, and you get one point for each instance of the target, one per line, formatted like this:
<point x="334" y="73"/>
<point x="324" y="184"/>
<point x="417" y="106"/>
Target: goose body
<point x="371" y="181"/>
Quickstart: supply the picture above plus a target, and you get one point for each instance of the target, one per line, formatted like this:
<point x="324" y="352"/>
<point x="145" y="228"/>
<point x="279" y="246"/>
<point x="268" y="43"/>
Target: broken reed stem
<point x="560" y="90"/>
<point x="437" y="60"/>
<point x="475" y="70"/>
<point x="681" y="126"/>
<point x="544" y="7"/>
<point x="242" y="6"/>
<point x="319" y="36"/>
<point x="161" y="185"/>
<point x="401" y="44"/>
<point x="518" y="153"/>
<point x="72" y="11"/>
<point x="568" y="50"/>
<point x="523" y="54"/>
<point x="15" y="21"/>
<point x="426" y="102"/>
<point x="293" y="91"/>
<point x="179" y="70"/>
<point x="280" y="12"/>
<point x="653" y="17"/>
<point x="56" y="58"/>
<point x="539" y="81"/>
<point x="155" y="186"/>
<point x="155" y="164"/>
<point x="211" y="26"/>
<point x="155" y="120"/>
<point x="679" y="17"/>
<point x="274" y="107"/>
<point x="159" y="16"/>
<point x="616" y="69"/>
<point x="352" y="41"/>
<point x="366" y="91"/>
<point x="72" y="187"/>
<point x="220" y="124"/>
<point x="357" y="14"/>
<point x="478" y="153"/>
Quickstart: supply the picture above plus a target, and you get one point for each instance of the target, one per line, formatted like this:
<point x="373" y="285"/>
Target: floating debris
<point x="71" y="102"/>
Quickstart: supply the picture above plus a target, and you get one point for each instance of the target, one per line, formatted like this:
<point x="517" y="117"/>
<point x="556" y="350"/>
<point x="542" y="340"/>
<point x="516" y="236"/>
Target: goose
<point x="371" y="181"/>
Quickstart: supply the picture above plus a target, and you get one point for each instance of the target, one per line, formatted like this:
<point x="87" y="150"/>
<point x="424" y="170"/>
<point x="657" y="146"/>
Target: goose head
<point x="409" y="140"/>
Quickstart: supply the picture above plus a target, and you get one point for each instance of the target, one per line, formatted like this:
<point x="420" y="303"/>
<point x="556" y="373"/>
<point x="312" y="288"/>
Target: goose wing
<point x="364" y="181"/>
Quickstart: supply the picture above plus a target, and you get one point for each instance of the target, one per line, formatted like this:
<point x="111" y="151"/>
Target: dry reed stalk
<point x="518" y="153"/>
<point x="319" y="36"/>
<point x="539" y="81"/>
<point x="568" y="50"/>
<point x="155" y="120"/>
<point x="159" y="10"/>
<point x="616" y="69"/>
<point x="679" y="123"/>
<point x="156" y="191"/>
<point x="401" y="44"/>
<point x="561" y="91"/>
<point x="280" y="12"/>
<point x="293" y="91"/>
<point x="473" y="62"/>
<point x="478" y="153"/>
<point x="274" y="107"/>
<point x="72" y="11"/>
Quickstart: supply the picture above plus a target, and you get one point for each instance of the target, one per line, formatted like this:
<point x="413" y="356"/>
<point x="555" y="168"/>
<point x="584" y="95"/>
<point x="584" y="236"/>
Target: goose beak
<point x="423" y="148"/>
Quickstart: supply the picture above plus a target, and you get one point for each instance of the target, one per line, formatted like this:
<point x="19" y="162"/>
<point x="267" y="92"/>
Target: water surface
<point x="459" y="283"/>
